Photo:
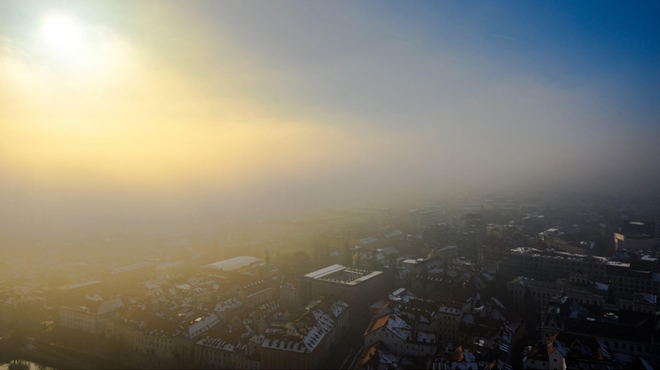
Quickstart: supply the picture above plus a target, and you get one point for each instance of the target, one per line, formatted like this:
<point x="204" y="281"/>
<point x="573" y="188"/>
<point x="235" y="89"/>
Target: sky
<point x="110" y="110"/>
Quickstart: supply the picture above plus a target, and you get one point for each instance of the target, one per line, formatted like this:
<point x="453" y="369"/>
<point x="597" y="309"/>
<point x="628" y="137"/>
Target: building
<point x="252" y="292"/>
<point x="378" y="356"/>
<point x="625" y="332"/>
<point x="550" y="265"/>
<point x="628" y="277"/>
<point x="357" y="287"/>
<point x="305" y="341"/>
<point x="236" y="264"/>
<point x="526" y="293"/>
<point x="420" y="314"/>
<point x="228" y="308"/>
<point x="449" y="318"/>
<point x="555" y="239"/>
<point x="290" y="293"/>
<point x="78" y="290"/>
<point x="88" y="316"/>
<point x="569" y="351"/>
<point x="399" y="337"/>
<point x="636" y="235"/>
<point x="229" y="349"/>
<point x="145" y="334"/>
<point x="446" y="253"/>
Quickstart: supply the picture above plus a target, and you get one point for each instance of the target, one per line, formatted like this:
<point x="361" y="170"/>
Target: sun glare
<point x="66" y="39"/>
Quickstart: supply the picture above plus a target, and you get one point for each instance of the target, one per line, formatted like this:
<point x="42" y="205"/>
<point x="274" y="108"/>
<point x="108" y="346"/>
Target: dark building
<point x="636" y="235"/>
<point x="357" y="287"/>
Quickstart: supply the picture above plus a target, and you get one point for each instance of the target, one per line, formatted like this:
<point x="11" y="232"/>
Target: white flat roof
<point x="234" y="263"/>
<point x="325" y="271"/>
<point x="79" y="285"/>
<point x="330" y="270"/>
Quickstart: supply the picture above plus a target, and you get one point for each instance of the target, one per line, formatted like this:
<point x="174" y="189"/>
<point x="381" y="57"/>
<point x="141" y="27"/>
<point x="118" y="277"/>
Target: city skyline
<point x="366" y="185"/>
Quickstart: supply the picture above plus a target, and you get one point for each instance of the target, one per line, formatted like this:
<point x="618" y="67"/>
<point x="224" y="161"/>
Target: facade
<point x="555" y="239"/>
<point x="290" y="293"/>
<point x="255" y="293"/>
<point x="251" y="290"/>
<point x="449" y="317"/>
<point x="551" y="265"/>
<point x="88" y="317"/>
<point x="522" y="291"/>
<point x="227" y="350"/>
<point x="164" y="340"/>
<point x="146" y="334"/>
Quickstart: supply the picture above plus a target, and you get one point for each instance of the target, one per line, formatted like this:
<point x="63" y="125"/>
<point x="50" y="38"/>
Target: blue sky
<point x="612" y="47"/>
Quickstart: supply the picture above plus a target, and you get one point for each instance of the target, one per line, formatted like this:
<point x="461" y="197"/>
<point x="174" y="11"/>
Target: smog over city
<point x="345" y="185"/>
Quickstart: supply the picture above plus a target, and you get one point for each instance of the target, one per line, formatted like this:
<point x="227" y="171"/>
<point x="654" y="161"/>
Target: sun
<point x="66" y="39"/>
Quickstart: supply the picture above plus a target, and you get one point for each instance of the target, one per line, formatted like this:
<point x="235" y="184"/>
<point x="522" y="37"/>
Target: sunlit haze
<point x="251" y="108"/>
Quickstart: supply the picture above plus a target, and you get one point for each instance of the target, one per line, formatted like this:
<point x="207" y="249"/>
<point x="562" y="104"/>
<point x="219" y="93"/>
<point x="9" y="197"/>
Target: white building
<point x="89" y="316"/>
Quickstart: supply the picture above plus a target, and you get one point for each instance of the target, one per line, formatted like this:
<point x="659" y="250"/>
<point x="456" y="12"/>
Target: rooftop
<point x="557" y="254"/>
<point x="343" y="275"/>
<point x="79" y="285"/>
<point x="638" y="229"/>
<point x="235" y="263"/>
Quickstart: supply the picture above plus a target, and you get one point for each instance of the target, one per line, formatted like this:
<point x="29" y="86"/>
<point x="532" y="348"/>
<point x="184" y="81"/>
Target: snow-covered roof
<point x="217" y="343"/>
<point x="110" y="305"/>
<point x="450" y="310"/>
<point x="601" y="286"/>
<point x="202" y="324"/>
<point x="227" y="304"/>
<point x="371" y="239"/>
<point x="79" y="285"/>
<point x="343" y="275"/>
<point x="446" y="248"/>
<point x="338" y="307"/>
<point x="325" y="271"/>
<point x="401" y="294"/>
<point x="235" y="263"/>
